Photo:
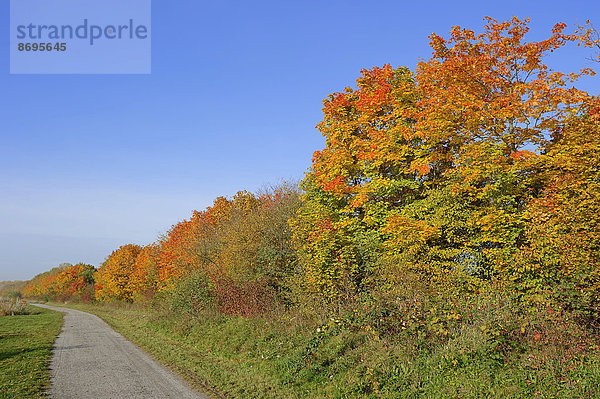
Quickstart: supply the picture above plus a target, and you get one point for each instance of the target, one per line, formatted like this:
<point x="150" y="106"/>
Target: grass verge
<point x="223" y="357"/>
<point x="237" y="357"/>
<point x="25" y="349"/>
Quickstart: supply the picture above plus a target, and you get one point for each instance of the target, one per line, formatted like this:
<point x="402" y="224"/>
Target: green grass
<point x="221" y="357"/>
<point x="25" y="349"/>
<point x="238" y="357"/>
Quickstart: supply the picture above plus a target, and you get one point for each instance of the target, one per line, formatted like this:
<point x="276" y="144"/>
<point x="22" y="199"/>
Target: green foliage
<point x="13" y="295"/>
<point x="255" y="242"/>
<point x="191" y="295"/>
<point x="10" y="288"/>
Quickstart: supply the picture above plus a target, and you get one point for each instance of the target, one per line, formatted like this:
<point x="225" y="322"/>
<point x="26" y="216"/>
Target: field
<point x="25" y="349"/>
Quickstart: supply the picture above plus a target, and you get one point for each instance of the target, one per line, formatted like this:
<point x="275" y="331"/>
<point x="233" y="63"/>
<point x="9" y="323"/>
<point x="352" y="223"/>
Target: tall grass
<point x="12" y="307"/>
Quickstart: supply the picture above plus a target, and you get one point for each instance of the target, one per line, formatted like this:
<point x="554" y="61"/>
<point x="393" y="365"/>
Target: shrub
<point x="12" y="307"/>
<point x="13" y="295"/>
<point x="191" y="295"/>
<point x="243" y="298"/>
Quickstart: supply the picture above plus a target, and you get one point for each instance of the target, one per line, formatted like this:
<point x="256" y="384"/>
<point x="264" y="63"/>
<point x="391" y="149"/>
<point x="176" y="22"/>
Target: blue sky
<point x="92" y="162"/>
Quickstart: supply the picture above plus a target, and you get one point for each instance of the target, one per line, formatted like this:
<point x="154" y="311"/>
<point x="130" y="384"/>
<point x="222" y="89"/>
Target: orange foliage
<point x="62" y="283"/>
<point x="188" y="243"/>
<point x="144" y="277"/>
<point x="113" y="277"/>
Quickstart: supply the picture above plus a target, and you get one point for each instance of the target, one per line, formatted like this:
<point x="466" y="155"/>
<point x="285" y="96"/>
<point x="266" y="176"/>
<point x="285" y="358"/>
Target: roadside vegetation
<point x="26" y="340"/>
<point x="283" y="356"/>
<point x="444" y="243"/>
<point x="12" y="304"/>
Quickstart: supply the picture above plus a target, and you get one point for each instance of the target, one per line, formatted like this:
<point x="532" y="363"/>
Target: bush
<point x="248" y="299"/>
<point x="12" y="307"/>
<point x="13" y="295"/>
<point x="191" y="295"/>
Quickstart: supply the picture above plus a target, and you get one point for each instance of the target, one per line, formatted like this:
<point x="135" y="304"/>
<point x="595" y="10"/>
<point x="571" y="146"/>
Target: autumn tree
<point x="434" y="173"/>
<point x="562" y="257"/>
<point x="191" y="244"/>
<point x="255" y="254"/>
<point x="589" y="36"/>
<point x="114" y="275"/>
<point x="368" y="168"/>
<point x="144" y="281"/>
<point x="43" y="284"/>
<point x="76" y="280"/>
<point x="238" y="250"/>
<point x="488" y="106"/>
<point x="63" y="283"/>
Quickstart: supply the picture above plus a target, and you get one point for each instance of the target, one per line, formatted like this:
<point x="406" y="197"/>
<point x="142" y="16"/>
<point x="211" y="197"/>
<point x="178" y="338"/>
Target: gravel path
<point x="91" y="360"/>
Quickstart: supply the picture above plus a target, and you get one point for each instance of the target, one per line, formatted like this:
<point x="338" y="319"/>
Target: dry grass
<point x="12" y="307"/>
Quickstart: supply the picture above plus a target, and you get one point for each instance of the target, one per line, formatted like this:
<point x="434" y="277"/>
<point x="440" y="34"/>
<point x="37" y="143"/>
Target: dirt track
<point x="91" y="360"/>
